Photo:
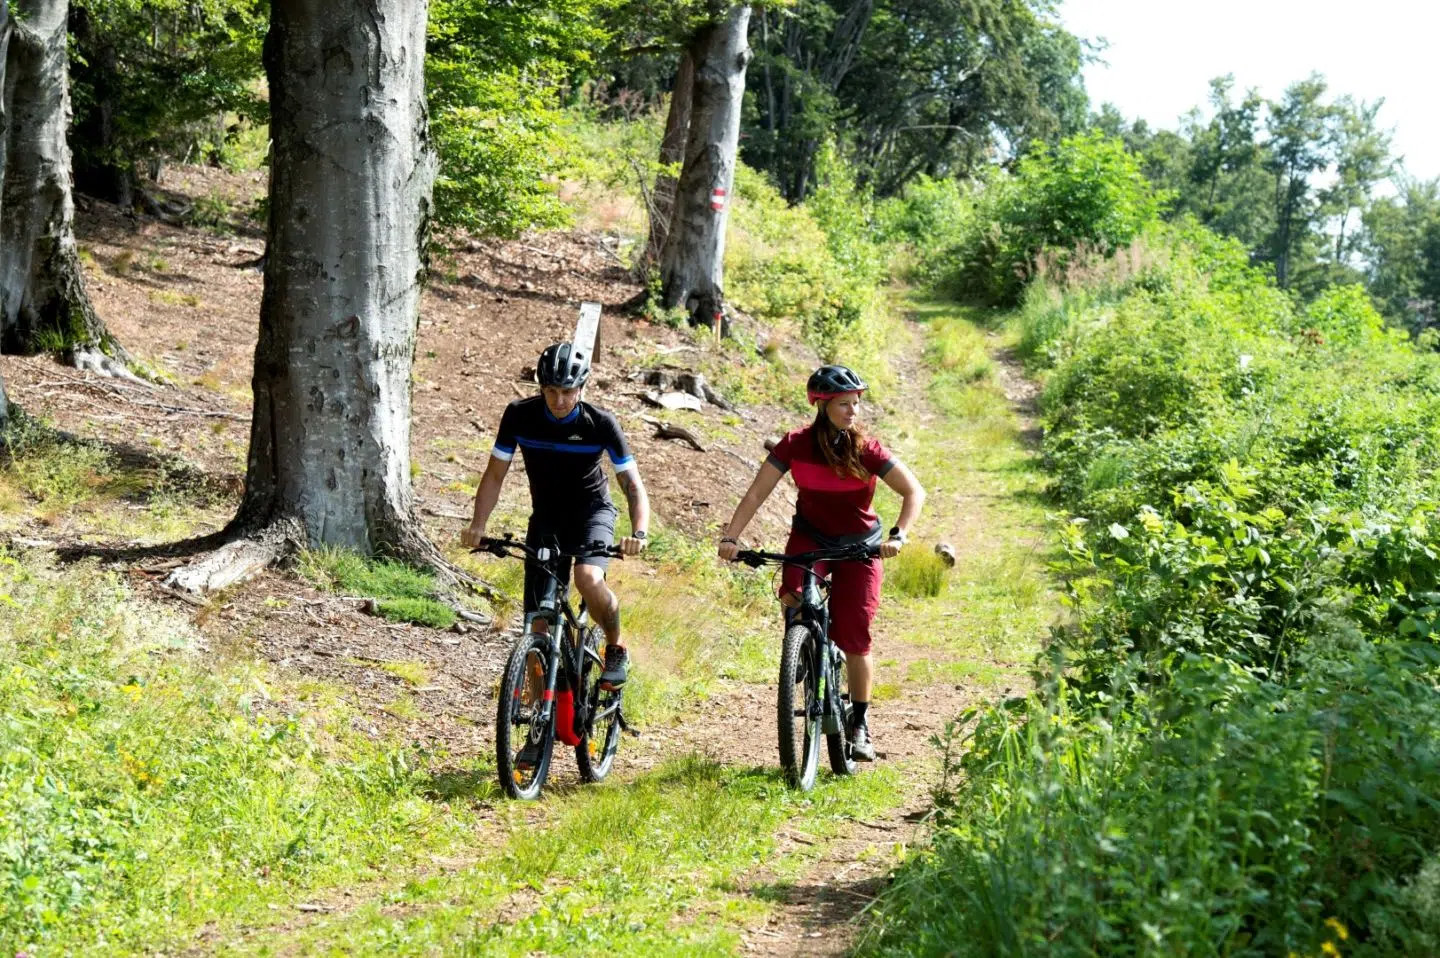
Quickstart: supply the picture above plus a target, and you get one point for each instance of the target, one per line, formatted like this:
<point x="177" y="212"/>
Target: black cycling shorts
<point x="573" y="536"/>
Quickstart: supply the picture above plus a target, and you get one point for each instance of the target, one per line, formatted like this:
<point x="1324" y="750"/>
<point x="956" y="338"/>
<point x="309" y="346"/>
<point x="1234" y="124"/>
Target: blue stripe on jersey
<point x="508" y="450"/>
<point x="555" y="446"/>
<point x="621" y="462"/>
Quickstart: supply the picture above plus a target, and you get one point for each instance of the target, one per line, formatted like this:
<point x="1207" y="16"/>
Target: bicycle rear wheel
<point x="797" y="710"/>
<point x="523" y="742"/>
<point x="838" y="744"/>
<point x="601" y="740"/>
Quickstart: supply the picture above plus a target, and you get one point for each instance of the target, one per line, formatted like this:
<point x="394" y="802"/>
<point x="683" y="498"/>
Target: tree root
<point x="243" y="550"/>
<point x="93" y="360"/>
<point x="235" y="561"/>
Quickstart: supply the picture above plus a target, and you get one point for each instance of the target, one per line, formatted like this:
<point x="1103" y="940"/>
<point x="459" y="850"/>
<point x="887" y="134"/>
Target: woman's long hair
<point x="840" y="448"/>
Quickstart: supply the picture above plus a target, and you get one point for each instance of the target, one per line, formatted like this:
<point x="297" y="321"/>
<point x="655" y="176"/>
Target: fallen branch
<point x="444" y="515"/>
<point x="187" y="411"/>
<point x="747" y="463"/>
<point x="90" y="359"/>
<point x="665" y="430"/>
<point x="25" y="543"/>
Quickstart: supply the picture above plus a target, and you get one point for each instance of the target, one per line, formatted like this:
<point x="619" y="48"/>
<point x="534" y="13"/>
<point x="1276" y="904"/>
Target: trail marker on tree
<point x="587" y="329"/>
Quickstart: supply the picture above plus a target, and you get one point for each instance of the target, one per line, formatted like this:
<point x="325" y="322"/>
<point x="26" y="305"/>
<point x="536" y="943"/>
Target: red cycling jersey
<point x="831" y="505"/>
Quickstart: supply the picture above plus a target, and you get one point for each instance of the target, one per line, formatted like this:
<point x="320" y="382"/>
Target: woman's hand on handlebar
<point x="728" y="549"/>
<point x="473" y="536"/>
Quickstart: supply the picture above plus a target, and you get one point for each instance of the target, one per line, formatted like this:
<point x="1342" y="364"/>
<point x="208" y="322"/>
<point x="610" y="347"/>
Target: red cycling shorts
<point x="854" y="594"/>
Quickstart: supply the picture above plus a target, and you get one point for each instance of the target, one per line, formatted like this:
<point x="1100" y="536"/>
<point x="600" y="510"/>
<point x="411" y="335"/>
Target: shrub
<point x="1088" y="192"/>
<point x="1223" y="815"/>
<point x="1236" y="746"/>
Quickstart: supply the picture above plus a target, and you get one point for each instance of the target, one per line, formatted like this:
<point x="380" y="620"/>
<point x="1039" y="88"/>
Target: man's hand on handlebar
<point x="890" y="548"/>
<point x="472" y="537"/>
<point x="632" y="546"/>
<point x="728" y="549"/>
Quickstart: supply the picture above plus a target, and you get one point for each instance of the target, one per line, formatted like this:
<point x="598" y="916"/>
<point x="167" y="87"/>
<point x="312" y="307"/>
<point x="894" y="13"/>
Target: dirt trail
<point x="817" y="912"/>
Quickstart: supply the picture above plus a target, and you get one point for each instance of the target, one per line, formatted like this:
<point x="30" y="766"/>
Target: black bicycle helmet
<point x="564" y="366"/>
<point x="830" y="381"/>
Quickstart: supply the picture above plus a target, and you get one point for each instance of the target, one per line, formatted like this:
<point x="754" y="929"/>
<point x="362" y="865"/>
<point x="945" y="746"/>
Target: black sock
<point x="857" y="713"/>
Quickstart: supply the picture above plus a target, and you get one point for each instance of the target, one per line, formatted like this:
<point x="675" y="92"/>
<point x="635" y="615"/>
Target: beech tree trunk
<point x="43" y="302"/>
<point x="693" y="270"/>
<point x="5" y="29"/>
<point x="672" y="151"/>
<point x="350" y="200"/>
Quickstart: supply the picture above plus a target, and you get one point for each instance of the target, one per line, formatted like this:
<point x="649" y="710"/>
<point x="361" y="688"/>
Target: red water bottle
<point x="565" y="717"/>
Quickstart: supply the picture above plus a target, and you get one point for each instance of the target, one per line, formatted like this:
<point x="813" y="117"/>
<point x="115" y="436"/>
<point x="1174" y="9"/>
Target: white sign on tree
<point x="587" y="329"/>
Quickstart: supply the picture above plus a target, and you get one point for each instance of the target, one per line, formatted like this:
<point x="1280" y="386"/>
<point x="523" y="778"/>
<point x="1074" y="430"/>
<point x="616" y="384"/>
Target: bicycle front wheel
<point x="798" y="709"/>
<point x="601" y="740"/>
<point x="524" y="740"/>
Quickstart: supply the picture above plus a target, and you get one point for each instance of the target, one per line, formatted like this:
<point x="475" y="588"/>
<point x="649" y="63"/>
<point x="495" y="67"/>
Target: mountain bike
<point x="814" y="696"/>
<point x="567" y="658"/>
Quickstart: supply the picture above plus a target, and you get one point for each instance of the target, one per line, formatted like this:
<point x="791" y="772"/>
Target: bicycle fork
<point x="831" y="701"/>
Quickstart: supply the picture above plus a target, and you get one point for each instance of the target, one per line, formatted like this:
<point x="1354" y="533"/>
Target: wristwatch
<point x="897" y="534"/>
<point x="638" y="534"/>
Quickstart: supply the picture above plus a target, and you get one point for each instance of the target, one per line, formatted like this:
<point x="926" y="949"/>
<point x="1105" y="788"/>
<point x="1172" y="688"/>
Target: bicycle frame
<point x="814" y="611"/>
<point x="555" y="610"/>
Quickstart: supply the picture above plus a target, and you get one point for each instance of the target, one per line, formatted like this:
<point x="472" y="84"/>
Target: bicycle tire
<point x="838" y="744"/>
<point x="532" y="650"/>
<point x="799" y="734"/>
<point x="595" y="755"/>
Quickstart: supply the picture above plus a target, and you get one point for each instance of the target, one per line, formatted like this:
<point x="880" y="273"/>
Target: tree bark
<point x="672" y="151"/>
<point x="5" y="31"/>
<point x="43" y="302"/>
<point x="693" y="271"/>
<point x="350" y="202"/>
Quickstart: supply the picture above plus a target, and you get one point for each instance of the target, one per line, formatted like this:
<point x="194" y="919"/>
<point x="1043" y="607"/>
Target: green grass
<point x="916" y="572"/>
<point x="403" y="593"/>
<point x="58" y="475"/>
<point x="652" y="867"/>
<point x="48" y="477"/>
<point x="415" y="673"/>
<point x="145" y="792"/>
<point x="933" y="672"/>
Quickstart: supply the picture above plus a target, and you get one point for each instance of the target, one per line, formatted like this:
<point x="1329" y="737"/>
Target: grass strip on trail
<point x="963" y="438"/>
<point x="644" y="868"/>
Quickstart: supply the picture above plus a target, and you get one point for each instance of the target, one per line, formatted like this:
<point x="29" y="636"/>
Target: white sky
<point x="1162" y="54"/>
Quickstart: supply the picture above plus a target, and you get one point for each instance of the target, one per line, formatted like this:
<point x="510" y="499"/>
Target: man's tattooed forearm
<point x="631" y="489"/>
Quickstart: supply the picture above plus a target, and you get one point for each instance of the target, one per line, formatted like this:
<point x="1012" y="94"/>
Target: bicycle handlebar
<point x="755" y="559"/>
<point x="542" y="554"/>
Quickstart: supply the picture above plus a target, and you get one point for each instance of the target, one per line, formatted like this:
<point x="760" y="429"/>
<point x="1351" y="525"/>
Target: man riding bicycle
<point x="563" y="440"/>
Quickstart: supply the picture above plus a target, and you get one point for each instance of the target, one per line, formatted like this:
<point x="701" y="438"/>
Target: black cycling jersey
<point x="562" y="456"/>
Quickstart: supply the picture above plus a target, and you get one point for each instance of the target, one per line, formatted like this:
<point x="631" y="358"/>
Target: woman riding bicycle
<point x="835" y="466"/>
